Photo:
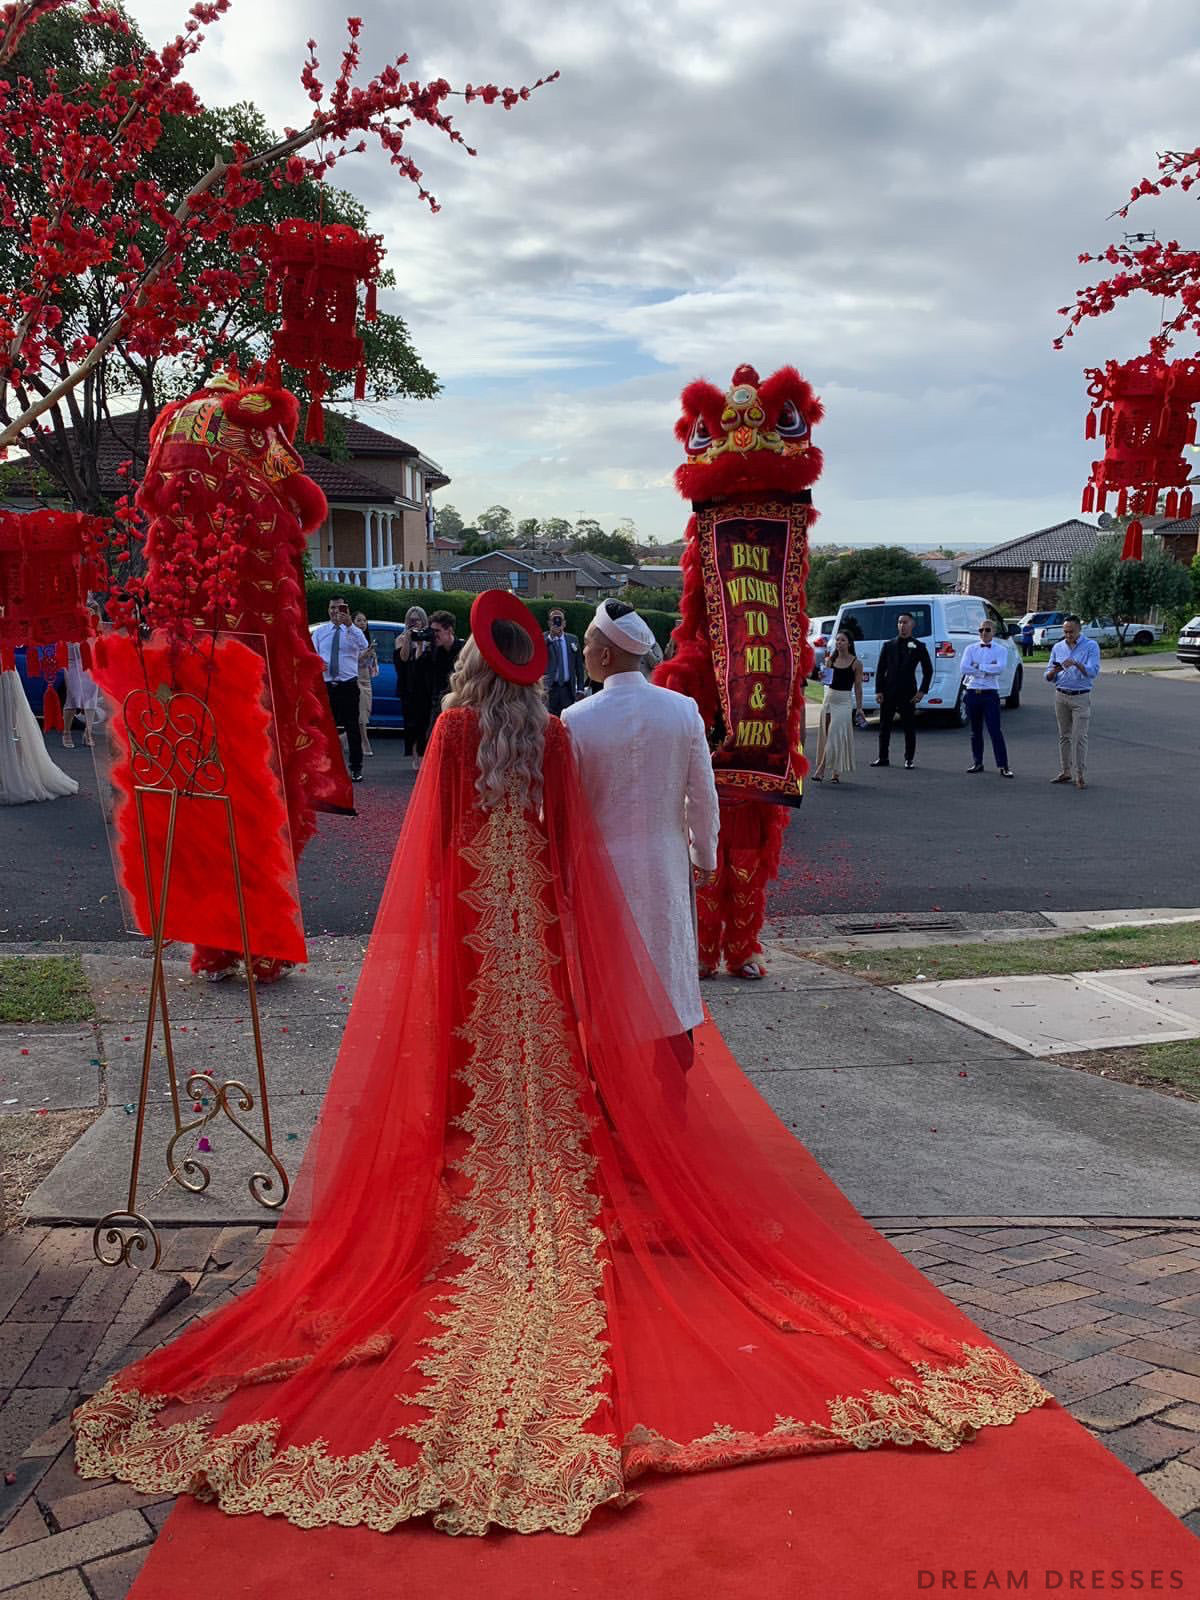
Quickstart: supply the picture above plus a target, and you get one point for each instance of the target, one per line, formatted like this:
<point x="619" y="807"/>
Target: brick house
<point x="1179" y="538"/>
<point x="1030" y="573"/>
<point x="530" y="573"/>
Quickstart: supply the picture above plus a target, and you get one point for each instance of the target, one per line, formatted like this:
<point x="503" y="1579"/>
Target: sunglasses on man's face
<point x="985" y="630"/>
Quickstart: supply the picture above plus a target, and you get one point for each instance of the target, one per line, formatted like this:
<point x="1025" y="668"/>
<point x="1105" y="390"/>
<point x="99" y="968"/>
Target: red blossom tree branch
<point x="77" y="150"/>
<point x="1165" y="271"/>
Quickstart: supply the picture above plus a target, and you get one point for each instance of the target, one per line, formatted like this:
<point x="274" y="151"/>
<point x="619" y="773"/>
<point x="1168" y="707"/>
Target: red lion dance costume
<point x="741" y="650"/>
<point x="222" y="461"/>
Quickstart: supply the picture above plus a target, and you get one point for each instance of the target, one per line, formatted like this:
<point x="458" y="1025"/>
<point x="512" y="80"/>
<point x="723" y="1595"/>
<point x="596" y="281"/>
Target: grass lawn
<point x="1077" y="952"/>
<point x="44" y="989"/>
<point x="1172" y="1069"/>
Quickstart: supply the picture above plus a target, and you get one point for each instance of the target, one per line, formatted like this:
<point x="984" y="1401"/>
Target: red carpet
<point x="1041" y="1500"/>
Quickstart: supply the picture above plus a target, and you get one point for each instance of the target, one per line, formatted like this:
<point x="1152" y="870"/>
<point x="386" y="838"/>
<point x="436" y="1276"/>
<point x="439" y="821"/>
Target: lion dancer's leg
<point x="752" y="842"/>
<point x="710" y="917"/>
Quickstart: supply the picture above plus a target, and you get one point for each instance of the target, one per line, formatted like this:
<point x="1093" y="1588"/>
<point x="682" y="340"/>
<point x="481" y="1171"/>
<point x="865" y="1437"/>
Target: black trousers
<point x="907" y="712"/>
<point x="343" y="702"/>
<point x="558" y="697"/>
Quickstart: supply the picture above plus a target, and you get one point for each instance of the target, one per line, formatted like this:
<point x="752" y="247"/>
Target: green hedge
<point x="389" y="605"/>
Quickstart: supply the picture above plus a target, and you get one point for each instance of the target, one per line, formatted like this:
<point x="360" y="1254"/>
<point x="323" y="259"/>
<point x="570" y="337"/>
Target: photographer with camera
<point x="441" y="659"/>
<point x="412" y="681"/>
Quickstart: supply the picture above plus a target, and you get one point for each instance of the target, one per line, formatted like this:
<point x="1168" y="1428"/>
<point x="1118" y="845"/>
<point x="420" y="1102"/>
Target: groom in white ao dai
<point x="646" y="767"/>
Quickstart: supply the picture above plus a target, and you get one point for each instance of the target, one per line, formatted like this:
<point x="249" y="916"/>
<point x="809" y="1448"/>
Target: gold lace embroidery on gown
<point x="518" y="1366"/>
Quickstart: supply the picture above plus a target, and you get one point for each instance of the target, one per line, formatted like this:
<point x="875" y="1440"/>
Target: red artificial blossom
<point x="1143" y="409"/>
<point x="1164" y="271"/>
<point x="78" y="147"/>
<point x="49" y="561"/>
<point x="320" y="266"/>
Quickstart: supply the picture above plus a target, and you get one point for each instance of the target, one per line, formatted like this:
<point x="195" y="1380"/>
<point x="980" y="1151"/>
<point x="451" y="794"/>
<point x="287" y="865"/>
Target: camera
<point x="423" y="635"/>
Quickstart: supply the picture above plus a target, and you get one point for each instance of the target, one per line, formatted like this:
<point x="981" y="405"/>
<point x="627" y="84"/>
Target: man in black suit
<point x="900" y="660"/>
<point x="564" y="666"/>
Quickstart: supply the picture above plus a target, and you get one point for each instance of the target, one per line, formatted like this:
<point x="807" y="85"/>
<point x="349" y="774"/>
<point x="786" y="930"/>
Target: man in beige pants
<point x="1073" y="667"/>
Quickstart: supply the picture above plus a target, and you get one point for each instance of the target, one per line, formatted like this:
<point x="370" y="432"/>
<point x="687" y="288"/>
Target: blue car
<point x="33" y="684"/>
<point x="386" y="711"/>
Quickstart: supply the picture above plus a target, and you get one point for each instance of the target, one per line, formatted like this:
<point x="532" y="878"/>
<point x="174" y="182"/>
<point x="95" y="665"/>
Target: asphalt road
<point x="929" y="840"/>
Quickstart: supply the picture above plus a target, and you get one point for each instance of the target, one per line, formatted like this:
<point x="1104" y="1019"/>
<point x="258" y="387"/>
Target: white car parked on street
<point x="1103" y="632"/>
<point x="946" y="624"/>
<point x="820" y="637"/>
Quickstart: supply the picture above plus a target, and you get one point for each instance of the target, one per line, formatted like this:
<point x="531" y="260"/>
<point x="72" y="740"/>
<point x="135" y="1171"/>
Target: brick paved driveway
<point x="1106" y="1312"/>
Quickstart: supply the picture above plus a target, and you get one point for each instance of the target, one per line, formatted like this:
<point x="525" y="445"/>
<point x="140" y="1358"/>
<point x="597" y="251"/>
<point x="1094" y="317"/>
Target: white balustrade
<point x="379" y="577"/>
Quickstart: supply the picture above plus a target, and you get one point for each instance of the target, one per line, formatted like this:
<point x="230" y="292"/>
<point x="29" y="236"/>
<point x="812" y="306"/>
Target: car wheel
<point x="959" y="713"/>
<point x="1143" y="637"/>
<point x="1013" y="701"/>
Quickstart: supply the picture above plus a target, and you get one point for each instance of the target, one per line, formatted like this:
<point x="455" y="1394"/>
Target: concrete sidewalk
<point x="1048" y="1203"/>
<point x="971" y="1123"/>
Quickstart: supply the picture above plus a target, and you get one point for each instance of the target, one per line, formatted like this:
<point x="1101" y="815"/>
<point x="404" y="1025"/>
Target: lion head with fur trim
<point x="755" y="438"/>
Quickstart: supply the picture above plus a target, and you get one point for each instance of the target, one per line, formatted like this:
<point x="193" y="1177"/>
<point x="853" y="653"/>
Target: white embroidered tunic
<point x="647" y="771"/>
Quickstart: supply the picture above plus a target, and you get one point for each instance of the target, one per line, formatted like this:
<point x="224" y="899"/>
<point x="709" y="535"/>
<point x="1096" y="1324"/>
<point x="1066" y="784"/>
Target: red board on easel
<point x="194" y="764"/>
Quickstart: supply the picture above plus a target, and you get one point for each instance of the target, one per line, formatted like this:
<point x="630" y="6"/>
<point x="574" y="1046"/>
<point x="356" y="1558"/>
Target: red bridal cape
<point x="528" y="1258"/>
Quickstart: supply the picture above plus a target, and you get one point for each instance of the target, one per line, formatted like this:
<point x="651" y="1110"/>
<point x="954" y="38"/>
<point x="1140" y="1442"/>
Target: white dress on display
<point x="26" y="771"/>
<point x="646" y="768"/>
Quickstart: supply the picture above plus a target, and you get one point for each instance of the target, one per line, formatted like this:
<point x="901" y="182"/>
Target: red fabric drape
<point x="529" y="1257"/>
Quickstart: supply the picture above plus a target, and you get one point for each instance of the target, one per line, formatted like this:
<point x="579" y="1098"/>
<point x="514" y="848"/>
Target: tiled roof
<point x="535" y="560"/>
<point x="1180" y="525"/>
<point x="599" y="572"/>
<point x="1062" y="542"/>
<point x="475" y="582"/>
<point x="341" y="480"/>
<point x="363" y="440"/>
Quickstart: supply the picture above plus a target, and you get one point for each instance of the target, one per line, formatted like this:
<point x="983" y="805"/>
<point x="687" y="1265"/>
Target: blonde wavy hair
<point x="512" y="719"/>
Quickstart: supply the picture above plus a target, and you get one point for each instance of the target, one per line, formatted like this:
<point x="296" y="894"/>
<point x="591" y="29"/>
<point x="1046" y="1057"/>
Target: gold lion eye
<point x="755" y="414"/>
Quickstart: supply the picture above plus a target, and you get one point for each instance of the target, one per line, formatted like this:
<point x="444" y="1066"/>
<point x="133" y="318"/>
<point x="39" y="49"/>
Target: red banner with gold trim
<point x="755" y="557"/>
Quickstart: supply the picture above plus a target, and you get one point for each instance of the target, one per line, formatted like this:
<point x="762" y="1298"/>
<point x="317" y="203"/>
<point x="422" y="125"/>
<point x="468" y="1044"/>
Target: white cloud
<point x="891" y="196"/>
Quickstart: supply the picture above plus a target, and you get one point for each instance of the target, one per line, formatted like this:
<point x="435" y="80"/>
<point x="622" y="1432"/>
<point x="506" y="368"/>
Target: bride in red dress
<point x="523" y="1264"/>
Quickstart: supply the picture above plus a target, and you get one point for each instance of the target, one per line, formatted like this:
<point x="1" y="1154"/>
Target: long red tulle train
<point x="529" y="1259"/>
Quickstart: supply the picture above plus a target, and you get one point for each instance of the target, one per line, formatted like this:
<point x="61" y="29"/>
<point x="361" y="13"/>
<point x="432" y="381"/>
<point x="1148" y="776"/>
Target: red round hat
<point x="497" y="605"/>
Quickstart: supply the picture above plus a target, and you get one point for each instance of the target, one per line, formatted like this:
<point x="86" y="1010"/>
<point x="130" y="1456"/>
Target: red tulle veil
<point x="528" y="1257"/>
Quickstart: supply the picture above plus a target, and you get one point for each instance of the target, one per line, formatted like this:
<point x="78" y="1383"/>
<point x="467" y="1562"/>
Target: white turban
<point x="628" y="633"/>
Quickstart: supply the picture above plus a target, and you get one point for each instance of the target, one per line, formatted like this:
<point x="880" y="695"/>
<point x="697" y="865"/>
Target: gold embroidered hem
<point x="242" y="1471"/>
<point x="944" y="1410"/>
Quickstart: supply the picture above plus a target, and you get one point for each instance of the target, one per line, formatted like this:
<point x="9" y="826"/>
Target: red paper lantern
<point x="316" y="269"/>
<point x="1143" y="411"/>
<point x="49" y="560"/>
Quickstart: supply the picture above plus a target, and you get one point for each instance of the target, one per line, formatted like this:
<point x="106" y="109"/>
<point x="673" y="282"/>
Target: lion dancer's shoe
<point x="218" y="964"/>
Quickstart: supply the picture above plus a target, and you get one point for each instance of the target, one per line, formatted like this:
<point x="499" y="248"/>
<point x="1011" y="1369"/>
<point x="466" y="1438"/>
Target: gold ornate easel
<point x="173" y="752"/>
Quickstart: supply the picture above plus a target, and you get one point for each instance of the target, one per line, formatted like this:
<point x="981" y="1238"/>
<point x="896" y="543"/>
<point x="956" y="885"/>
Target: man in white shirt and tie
<point x="982" y="667"/>
<point x="339" y="644"/>
<point x="645" y="765"/>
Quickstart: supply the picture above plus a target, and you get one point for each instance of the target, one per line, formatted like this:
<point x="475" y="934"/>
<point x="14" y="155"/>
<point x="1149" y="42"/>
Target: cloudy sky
<point x="890" y="196"/>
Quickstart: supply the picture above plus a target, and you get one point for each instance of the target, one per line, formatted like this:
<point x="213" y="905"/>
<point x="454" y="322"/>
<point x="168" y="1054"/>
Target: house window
<point x="518" y="581"/>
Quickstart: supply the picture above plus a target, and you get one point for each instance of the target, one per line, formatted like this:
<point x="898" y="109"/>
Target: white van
<point x="946" y="624"/>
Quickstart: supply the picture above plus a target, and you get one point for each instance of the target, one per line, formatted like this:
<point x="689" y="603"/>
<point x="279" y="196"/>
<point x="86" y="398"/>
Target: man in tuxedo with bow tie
<point x="564" y="666"/>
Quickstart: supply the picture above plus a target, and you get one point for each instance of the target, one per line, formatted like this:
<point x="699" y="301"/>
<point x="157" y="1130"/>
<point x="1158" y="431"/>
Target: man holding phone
<point x="1073" y="667"/>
